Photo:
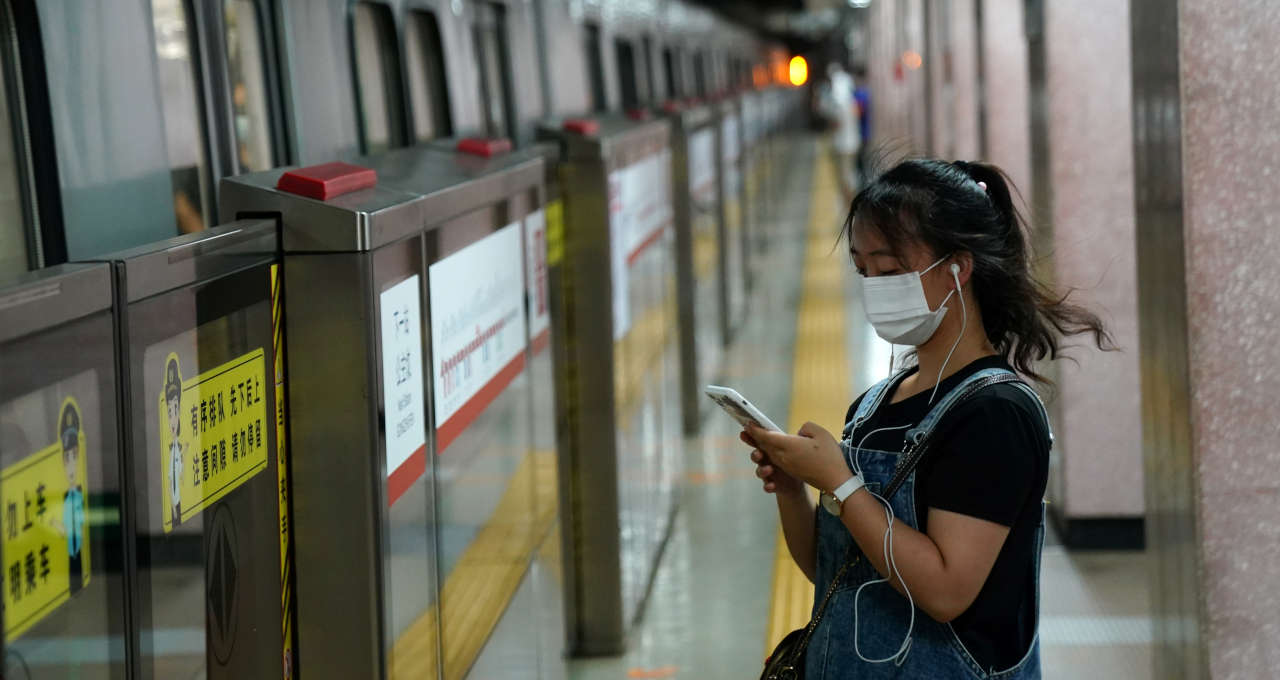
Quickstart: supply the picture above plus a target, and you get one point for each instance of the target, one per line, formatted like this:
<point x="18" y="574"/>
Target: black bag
<point x="787" y="660"/>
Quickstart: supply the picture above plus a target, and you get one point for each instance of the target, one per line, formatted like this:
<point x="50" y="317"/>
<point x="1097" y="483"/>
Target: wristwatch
<point x="833" y="501"/>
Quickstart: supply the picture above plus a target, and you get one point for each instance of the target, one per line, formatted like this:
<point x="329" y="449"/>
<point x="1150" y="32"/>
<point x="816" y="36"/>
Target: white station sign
<point x="639" y="213"/>
<point x="535" y="263"/>
<point x="403" y="414"/>
<point x="478" y="331"/>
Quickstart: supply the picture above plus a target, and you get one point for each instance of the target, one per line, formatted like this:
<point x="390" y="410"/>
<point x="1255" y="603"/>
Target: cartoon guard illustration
<point x="73" y="500"/>
<point x="173" y="400"/>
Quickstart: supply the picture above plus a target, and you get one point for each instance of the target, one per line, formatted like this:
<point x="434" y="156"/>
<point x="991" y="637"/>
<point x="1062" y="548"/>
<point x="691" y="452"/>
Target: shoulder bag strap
<point x="822" y="608"/>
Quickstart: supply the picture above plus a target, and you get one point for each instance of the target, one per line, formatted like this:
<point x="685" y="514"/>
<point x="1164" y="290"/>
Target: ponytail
<point x="968" y="207"/>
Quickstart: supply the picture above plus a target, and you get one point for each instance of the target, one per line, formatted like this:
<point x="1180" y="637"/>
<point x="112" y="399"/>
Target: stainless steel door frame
<point x="197" y="309"/>
<point x="345" y="254"/>
<point x="604" y="592"/>
<point x="738" y="104"/>
<point x="733" y="251"/>
<point x="585" y="388"/>
<point x="685" y="124"/>
<point x="59" y="359"/>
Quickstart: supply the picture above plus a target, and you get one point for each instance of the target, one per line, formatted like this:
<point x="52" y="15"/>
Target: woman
<point x="931" y="557"/>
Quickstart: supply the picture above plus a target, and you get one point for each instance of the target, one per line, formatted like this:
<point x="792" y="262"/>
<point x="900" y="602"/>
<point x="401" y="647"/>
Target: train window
<point x="627" y="73"/>
<point x="16" y="240"/>
<point x="491" y="58"/>
<point x="650" y="93"/>
<point x="670" y="64"/>
<point x="184" y="131"/>
<point x="595" y="69"/>
<point x="247" y="73"/>
<point x="377" y="65"/>
<point x="427" y="88"/>
<point x="700" y="74"/>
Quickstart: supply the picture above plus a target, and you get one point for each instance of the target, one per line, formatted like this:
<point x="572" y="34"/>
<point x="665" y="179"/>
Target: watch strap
<point x="847" y="489"/>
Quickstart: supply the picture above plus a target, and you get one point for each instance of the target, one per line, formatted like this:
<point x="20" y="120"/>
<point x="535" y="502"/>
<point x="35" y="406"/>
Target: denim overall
<point x="935" y="651"/>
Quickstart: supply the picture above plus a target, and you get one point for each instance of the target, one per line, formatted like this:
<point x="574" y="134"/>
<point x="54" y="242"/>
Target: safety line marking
<point x="820" y="387"/>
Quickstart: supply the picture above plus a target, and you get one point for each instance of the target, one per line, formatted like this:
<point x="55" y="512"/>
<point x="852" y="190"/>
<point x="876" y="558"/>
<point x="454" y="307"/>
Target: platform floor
<point x="715" y="593"/>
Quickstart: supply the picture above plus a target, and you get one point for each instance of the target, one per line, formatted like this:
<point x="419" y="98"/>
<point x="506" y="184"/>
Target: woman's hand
<point x="813" y="456"/>
<point x="775" y="480"/>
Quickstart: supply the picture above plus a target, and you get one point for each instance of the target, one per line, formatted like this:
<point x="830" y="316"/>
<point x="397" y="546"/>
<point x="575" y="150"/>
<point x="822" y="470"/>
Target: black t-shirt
<point x="989" y="459"/>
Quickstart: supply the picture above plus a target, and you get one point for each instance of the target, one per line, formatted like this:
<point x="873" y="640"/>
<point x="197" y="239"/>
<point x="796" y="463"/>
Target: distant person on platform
<point x="845" y="139"/>
<point x="862" y="95"/>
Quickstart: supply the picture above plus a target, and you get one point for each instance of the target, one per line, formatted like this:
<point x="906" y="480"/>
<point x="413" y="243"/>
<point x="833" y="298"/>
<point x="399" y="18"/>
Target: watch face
<point x="829" y="503"/>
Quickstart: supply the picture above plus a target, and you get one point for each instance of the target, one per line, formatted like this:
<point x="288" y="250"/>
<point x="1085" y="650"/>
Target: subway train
<point x="131" y="112"/>
<point x="360" y="339"/>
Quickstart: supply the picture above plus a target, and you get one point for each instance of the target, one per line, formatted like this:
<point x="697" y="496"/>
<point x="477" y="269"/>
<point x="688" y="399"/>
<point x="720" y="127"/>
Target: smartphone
<point x="738" y="407"/>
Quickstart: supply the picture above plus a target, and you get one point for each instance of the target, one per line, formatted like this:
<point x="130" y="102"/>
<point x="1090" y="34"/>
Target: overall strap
<point x="1044" y="412"/>
<point x="919" y="438"/>
<point x="955" y="395"/>
<point x="871" y="402"/>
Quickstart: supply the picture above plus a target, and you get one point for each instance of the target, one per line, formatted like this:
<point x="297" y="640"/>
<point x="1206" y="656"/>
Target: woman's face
<point x="872" y="256"/>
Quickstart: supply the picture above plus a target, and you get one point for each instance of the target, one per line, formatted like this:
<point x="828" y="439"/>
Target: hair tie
<point x="983" y="186"/>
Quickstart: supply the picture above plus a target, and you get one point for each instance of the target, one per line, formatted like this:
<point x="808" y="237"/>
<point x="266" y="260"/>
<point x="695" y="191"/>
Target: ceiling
<point x="802" y="25"/>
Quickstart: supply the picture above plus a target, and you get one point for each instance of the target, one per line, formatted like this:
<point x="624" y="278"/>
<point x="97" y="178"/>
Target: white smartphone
<point x="739" y="408"/>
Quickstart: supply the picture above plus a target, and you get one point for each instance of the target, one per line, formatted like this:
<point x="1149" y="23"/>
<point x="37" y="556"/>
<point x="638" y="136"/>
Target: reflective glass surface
<point x="427" y="87"/>
<point x="206" y="501"/>
<point x="60" y="498"/>
<point x="247" y="74"/>
<point x="14" y="233"/>
<point x="184" y="131"/>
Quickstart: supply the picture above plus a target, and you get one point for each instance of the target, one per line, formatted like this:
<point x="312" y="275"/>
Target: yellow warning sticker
<point x="213" y="434"/>
<point x="555" y="232"/>
<point x="282" y="474"/>
<point x="46" y="547"/>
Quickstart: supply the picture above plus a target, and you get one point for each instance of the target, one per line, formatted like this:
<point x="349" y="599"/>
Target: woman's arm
<point x="795" y="509"/>
<point x="944" y="569"/>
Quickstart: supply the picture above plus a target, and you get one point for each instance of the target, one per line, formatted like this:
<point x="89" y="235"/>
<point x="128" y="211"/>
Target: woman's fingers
<point x="746" y="439"/>
<point x="764" y="471"/>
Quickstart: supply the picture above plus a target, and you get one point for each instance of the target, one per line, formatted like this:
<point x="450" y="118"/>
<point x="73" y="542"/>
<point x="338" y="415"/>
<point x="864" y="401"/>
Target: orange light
<point x="912" y="59"/>
<point x="799" y="70"/>
<point x="760" y="75"/>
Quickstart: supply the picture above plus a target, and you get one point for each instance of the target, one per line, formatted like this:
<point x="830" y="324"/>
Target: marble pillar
<point x="938" y="61"/>
<point x="1004" y="52"/>
<point x="964" y="78"/>
<point x="1099" y="444"/>
<point x="1231" y="200"/>
<point x="898" y="120"/>
<point x="1207" y="159"/>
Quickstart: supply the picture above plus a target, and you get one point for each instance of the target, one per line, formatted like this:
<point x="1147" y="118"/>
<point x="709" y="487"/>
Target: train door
<point x="380" y="94"/>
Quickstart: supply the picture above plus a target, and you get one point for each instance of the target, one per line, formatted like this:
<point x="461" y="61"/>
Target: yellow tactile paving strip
<point x="480" y="587"/>
<point x="820" y="387"/>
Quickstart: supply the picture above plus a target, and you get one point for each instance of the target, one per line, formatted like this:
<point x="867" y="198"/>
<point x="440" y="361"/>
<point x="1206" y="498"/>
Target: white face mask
<point x="897" y="309"/>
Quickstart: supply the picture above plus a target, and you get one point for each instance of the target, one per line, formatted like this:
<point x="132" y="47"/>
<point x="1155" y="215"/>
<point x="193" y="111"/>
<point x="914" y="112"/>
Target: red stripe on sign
<point x="404" y="476"/>
<point x="648" y="241"/>
<point x="540" y="343"/>
<point x="451" y="428"/>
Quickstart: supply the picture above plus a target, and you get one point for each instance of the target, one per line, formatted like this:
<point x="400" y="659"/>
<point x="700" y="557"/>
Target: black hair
<point x="942" y="206"/>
